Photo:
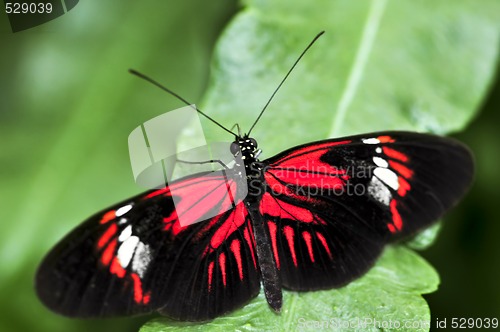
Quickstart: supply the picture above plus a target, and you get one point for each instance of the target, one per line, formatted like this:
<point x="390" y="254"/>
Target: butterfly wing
<point x="135" y="257"/>
<point x="331" y="206"/>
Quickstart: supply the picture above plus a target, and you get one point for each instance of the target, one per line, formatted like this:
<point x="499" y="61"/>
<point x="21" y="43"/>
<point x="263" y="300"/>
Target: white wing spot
<point x="141" y="260"/>
<point x="387" y="176"/>
<point x="126" y="250"/>
<point x="371" y="141"/>
<point x="125" y="234"/>
<point x="124" y="209"/>
<point x="380" y="162"/>
<point x="379" y="191"/>
<point x="378" y="150"/>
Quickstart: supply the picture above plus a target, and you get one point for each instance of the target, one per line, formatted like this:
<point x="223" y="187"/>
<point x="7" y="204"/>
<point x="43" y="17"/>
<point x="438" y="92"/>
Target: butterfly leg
<point x="211" y="161"/>
<point x="232" y="198"/>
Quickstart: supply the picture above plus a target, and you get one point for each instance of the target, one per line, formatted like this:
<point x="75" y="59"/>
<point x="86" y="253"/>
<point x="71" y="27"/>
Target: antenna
<point x="284" y="79"/>
<point x="150" y="80"/>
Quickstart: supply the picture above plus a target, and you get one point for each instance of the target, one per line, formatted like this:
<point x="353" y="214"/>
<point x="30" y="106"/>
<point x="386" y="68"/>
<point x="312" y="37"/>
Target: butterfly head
<point x="247" y="147"/>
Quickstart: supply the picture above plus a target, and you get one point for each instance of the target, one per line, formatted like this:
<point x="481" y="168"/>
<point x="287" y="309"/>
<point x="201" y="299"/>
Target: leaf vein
<point x="369" y="34"/>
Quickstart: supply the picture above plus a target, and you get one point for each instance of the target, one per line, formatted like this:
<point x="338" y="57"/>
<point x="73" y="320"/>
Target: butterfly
<point x="315" y="216"/>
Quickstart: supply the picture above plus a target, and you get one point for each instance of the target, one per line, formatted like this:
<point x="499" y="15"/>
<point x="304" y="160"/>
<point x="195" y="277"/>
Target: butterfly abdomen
<point x="270" y="275"/>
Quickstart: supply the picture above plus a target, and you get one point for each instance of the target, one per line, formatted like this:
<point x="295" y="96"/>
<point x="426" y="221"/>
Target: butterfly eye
<point x="234" y="148"/>
<point x="253" y="142"/>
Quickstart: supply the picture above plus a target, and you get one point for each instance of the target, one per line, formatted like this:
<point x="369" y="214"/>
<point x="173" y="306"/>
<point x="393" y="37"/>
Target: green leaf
<point x="425" y="238"/>
<point x="382" y="65"/>
<point x="396" y="281"/>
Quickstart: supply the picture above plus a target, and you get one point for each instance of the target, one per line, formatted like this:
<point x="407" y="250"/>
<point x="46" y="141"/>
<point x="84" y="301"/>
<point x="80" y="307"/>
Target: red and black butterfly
<point x="316" y="216"/>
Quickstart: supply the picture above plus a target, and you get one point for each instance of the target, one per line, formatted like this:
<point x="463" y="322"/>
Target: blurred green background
<point x="68" y="105"/>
